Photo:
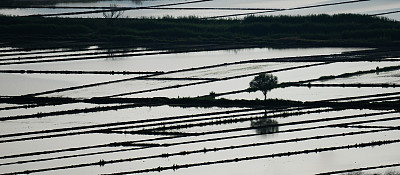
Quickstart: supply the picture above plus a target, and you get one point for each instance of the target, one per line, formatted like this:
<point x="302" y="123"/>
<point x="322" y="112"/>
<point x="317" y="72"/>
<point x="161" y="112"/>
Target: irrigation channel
<point x="122" y="110"/>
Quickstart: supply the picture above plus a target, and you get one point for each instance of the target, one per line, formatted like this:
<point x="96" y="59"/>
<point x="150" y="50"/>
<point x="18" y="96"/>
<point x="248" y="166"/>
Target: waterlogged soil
<point x="81" y="138"/>
<point x="337" y="159"/>
<point x="168" y="62"/>
<point x="378" y="77"/>
<point x="162" y="62"/>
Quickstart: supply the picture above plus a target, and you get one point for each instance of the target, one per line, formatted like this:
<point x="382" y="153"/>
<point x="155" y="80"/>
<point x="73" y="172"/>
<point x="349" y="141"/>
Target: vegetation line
<point x="358" y="85"/>
<point x="361" y="169"/>
<point x="18" y="107"/>
<point x="292" y="123"/>
<point x="231" y="130"/>
<point x="76" y="72"/>
<point x="68" y="46"/>
<point x="118" y="9"/>
<point x="117" y="53"/>
<point x="359" y="97"/>
<point x="85" y="86"/>
<point x="195" y="102"/>
<point x="261" y="126"/>
<point x="386" y="13"/>
<point x="212" y="8"/>
<point x="132" y="143"/>
<point x="103" y="55"/>
<point x="170" y="118"/>
<point x="153" y="8"/>
<point x="256" y="127"/>
<point x="287" y="9"/>
<point x="362" y="126"/>
<point x="383" y="95"/>
<point x="316" y="150"/>
<point x="65" y="112"/>
<point x="43" y="58"/>
<point x="208" y="121"/>
<point x="363" y="122"/>
<point x="205" y="150"/>
<point x="345" y="75"/>
<point x="53" y="7"/>
<point x="199" y="141"/>
<point x="184" y="70"/>
<point x="210" y="81"/>
<point x="250" y="128"/>
<point x="119" y="127"/>
<point x="296" y="84"/>
<point x="324" y="78"/>
<point x="382" y="99"/>
<point x="136" y="78"/>
<point x="86" y="58"/>
<point x="128" y="143"/>
<point x="35" y="51"/>
<point x="225" y="93"/>
<point x="255" y="118"/>
<point x="93" y="130"/>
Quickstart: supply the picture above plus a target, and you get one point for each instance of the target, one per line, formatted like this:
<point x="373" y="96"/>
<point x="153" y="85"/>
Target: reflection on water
<point x="265" y="125"/>
<point x="236" y="145"/>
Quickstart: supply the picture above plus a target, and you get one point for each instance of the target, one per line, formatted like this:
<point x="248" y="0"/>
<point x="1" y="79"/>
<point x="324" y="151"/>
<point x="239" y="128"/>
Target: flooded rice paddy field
<point x="220" y="8"/>
<point x="85" y="138"/>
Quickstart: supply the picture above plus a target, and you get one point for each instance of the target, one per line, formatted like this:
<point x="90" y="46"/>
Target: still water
<point x="236" y="142"/>
<point x="31" y="83"/>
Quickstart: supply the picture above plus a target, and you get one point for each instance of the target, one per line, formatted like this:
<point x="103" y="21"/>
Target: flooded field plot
<point x="339" y="112"/>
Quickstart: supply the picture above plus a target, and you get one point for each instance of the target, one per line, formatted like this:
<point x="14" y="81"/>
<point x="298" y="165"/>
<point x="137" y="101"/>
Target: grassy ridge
<point x="281" y="31"/>
<point x="199" y="102"/>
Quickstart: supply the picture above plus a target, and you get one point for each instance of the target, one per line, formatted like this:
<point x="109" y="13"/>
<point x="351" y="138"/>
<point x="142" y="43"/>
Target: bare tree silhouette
<point x="115" y="12"/>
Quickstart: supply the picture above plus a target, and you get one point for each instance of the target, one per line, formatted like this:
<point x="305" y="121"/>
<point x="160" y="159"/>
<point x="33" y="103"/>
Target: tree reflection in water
<point x="265" y="126"/>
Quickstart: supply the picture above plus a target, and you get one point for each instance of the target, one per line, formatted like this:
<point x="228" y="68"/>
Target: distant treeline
<point x="272" y="31"/>
<point x="46" y="2"/>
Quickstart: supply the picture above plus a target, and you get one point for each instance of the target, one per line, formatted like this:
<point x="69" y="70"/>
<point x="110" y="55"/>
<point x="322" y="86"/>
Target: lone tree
<point x="263" y="82"/>
<point x="113" y="12"/>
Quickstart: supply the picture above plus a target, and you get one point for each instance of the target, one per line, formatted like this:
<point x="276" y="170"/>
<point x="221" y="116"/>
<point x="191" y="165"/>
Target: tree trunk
<point x="265" y="96"/>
